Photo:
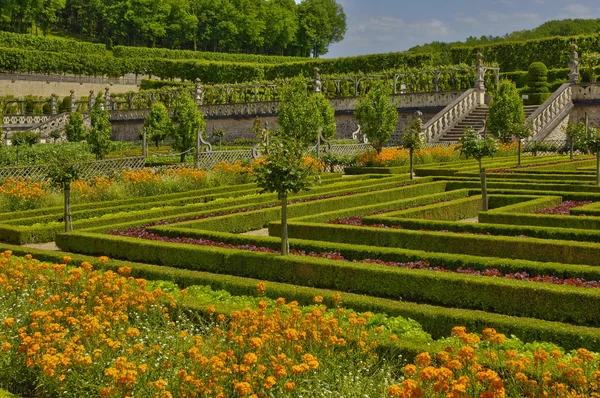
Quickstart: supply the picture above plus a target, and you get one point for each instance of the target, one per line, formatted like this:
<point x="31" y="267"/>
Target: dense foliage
<point x="190" y="122"/>
<point x="279" y="27"/>
<point x="506" y="112"/>
<point x="98" y="137"/>
<point x="377" y="116"/>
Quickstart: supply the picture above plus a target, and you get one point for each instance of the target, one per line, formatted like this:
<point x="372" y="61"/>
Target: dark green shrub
<point x="538" y="89"/>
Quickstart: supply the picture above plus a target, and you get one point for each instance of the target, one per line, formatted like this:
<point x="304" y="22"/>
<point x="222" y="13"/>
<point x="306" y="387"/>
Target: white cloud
<point x="393" y="25"/>
<point x="576" y="10"/>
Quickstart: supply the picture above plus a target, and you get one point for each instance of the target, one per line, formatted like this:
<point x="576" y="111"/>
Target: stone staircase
<point x="475" y="119"/>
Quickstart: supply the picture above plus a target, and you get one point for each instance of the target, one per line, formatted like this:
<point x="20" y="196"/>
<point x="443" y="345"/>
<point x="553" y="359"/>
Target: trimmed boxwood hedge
<point x="505" y="296"/>
<point x="447" y="242"/>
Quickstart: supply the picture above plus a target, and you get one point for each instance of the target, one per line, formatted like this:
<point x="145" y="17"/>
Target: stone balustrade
<point x="586" y="92"/>
<point x="551" y="112"/>
<point x="451" y="115"/>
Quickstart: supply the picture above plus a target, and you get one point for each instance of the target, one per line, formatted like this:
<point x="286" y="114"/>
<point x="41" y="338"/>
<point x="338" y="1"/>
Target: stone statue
<point x="53" y="104"/>
<point x="317" y="81"/>
<point x="479" y="73"/>
<point x="574" y="64"/>
<point x="107" y="102"/>
<point x="92" y="100"/>
<point x="198" y="92"/>
<point x="73" y="104"/>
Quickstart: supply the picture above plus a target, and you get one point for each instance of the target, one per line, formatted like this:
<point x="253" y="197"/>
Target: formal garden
<point x="300" y="262"/>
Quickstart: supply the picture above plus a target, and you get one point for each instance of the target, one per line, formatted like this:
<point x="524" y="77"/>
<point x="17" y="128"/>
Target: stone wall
<point x="21" y="88"/>
<point x="592" y="110"/>
<point x="241" y="127"/>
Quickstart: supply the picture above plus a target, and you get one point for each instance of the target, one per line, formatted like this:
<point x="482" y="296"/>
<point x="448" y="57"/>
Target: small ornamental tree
<point x="473" y="145"/>
<point x="592" y="143"/>
<point x="520" y="132"/>
<point x="412" y="139"/>
<point x="284" y="171"/>
<point x="377" y="116"/>
<point x="506" y="112"/>
<point x="576" y="136"/>
<point x="300" y="115"/>
<point x="74" y="129"/>
<point x="98" y="138"/>
<point x="189" y="122"/>
<point x="158" y="123"/>
<point x="63" y="169"/>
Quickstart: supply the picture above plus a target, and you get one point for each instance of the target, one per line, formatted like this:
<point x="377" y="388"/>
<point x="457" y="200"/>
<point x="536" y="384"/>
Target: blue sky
<point x="376" y="26"/>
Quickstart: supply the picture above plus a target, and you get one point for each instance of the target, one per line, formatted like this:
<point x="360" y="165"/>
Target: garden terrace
<point x="540" y="276"/>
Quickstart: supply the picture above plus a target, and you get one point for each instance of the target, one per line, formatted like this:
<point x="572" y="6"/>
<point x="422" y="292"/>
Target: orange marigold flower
<point x="423" y="359"/>
<point x="289" y="386"/>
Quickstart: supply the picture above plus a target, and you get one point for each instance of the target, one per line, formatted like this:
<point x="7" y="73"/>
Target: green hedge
<point x="243" y="222"/>
<point x="145" y="52"/>
<point x="509" y="297"/>
<point x="445" y="242"/>
<point x="529" y="206"/>
<point x="492" y="229"/>
<point x="543" y="220"/>
<point x="518" y="55"/>
<point x="40" y="43"/>
<point x="450" y="211"/>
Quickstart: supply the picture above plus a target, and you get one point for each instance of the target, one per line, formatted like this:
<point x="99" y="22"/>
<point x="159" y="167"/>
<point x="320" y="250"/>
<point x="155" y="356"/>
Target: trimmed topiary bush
<point x="539" y="90"/>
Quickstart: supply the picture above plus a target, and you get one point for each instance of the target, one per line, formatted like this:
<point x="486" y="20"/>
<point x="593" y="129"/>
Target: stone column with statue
<point x="574" y="64"/>
<point x="317" y="85"/>
<point x="480" y="79"/>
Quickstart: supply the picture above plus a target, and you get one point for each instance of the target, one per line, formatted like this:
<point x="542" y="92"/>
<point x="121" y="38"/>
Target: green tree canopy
<point x="506" y="112"/>
<point x="158" y="124"/>
<point x="189" y="122"/>
<point x="301" y="114"/>
<point x="74" y="129"/>
<point x="99" y="136"/>
<point x="377" y="116"/>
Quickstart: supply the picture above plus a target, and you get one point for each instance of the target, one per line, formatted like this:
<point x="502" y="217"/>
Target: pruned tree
<point x="576" y="136"/>
<point x="158" y="124"/>
<point x="189" y="122"/>
<point x="377" y="116"/>
<point x="474" y="145"/>
<point x="284" y="170"/>
<point x="74" y="129"/>
<point x="413" y="140"/>
<point x="506" y="112"/>
<point x="520" y="132"/>
<point x="592" y="143"/>
<point x="98" y="137"/>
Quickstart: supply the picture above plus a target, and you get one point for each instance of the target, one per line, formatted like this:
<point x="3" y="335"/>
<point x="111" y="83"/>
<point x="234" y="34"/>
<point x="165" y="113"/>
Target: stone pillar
<point x="317" y="81"/>
<point x="92" y="100"/>
<point x="480" y="79"/>
<point x="53" y="104"/>
<point x="73" y="104"/>
<point x="107" y="103"/>
<point x="198" y="92"/>
<point x="574" y="65"/>
<point x="130" y="101"/>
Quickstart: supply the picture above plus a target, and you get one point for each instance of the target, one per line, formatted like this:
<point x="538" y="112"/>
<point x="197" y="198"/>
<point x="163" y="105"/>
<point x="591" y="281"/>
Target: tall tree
<point x="74" y="129"/>
<point x="158" y="125"/>
<point x="189" y="120"/>
<point x="321" y="23"/>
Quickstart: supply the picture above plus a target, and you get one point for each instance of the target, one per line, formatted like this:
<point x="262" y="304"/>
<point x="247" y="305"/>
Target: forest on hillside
<point x="564" y="27"/>
<point x="272" y="27"/>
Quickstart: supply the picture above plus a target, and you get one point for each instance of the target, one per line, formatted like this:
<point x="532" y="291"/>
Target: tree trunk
<point x="285" y="244"/>
<point x="571" y="150"/>
<point x="412" y="176"/>
<point x="519" y="155"/>
<point x="67" y="215"/>
<point x="182" y="158"/>
<point x="598" y="169"/>
<point x="484" y="201"/>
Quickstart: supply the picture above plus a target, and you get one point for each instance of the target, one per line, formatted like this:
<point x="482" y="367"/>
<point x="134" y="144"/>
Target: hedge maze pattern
<point x="422" y="249"/>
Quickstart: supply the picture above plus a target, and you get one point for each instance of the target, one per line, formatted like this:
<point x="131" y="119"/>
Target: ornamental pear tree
<point x="377" y="116"/>
<point x="190" y="122"/>
<point x="474" y="145"/>
<point x="505" y="112"/>
<point x="575" y="135"/>
<point x="158" y="123"/>
<point x="520" y="132"/>
<point x="412" y="139"/>
<point x="98" y="137"/>
<point x="74" y="129"/>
